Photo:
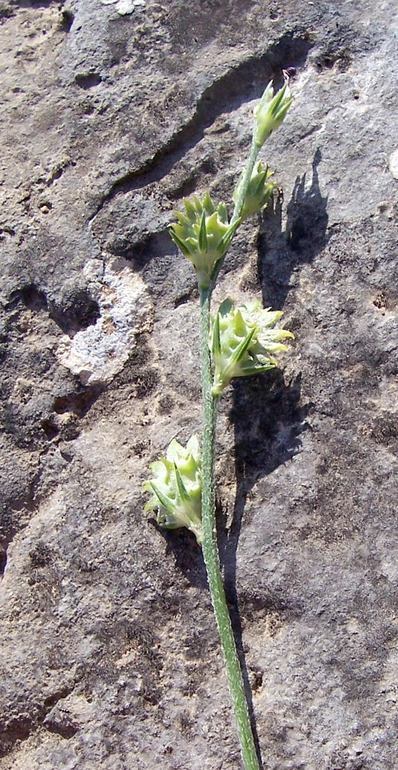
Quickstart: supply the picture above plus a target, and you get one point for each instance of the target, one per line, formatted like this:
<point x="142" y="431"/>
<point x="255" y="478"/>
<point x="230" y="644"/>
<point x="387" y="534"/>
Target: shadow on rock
<point x="281" y="252"/>
<point x="187" y="554"/>
<point x="266" y="413"/>
<point x="265" y="437"/>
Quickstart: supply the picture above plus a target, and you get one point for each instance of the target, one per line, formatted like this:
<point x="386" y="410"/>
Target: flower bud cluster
<point x="271" y="111"/>
<point x="203" y="234"/>
<point x="176" y="487"/>
<point x="244" y="341"/>
<point x="259" y="191"/>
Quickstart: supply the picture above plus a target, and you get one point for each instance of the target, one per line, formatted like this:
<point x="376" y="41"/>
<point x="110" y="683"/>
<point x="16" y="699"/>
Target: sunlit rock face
<point x="112" y="112"/>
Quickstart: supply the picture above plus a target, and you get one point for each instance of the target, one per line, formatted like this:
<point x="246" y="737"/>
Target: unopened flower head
<point x="244" y="341"/>
<point x="259" y="191"/>
<point x="176" y="487"/>
<point x="271" y="111"/>
<point x="203" y="234"/>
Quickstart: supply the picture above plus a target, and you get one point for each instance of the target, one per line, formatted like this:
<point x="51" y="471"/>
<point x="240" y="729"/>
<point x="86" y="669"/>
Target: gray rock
<point x="113" y="111"/>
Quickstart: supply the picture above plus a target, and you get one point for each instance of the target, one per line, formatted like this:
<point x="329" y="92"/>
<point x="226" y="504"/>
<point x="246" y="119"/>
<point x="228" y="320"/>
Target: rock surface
<point x="112" y="112"/>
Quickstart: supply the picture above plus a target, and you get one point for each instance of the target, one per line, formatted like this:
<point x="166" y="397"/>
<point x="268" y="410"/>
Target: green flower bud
<point x="270" y="111"/>
<point x="203" y="234"/>
<point x="259" y="191"/>
<point x="244" y="341"/>
<point x="176" y="488"/>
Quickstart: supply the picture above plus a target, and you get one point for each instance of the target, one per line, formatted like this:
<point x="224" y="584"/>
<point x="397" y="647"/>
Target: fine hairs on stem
<point x="237" y="341"/>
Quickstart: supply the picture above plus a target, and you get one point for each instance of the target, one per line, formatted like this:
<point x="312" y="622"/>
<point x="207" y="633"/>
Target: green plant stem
<point x="243" y="185"/>
<point x="246" y="177"/>
<point x="210" y="548"/>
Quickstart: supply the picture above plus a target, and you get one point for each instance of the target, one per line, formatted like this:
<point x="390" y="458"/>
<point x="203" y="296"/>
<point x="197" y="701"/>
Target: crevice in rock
<point x="186" y="297"/>
<point x="5" y="13"/>
<point x="257" y="679"/>
<point x="17" y="730"/>
<point x="340" y="57"/>
<point x="3" y="558"/>
<point x="238" y="85"/>
<point x="140" y="252"/>
<point x="49" y="428"/>
<point x="31" y="297"/>
<point x="77" y="312"/>
<point x="88" y="80"/>
<point x="6" y="230"/>
<point x="67" y="19"/>
<point x="79" y="403"/>
<point x="55" y="697"/>
<point x="64" y="730"/>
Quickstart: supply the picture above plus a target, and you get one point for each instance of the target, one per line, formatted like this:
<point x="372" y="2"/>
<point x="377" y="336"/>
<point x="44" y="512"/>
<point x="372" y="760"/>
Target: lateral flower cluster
<point x="176" y="487"/>
<point x="259" y="191"/>
<point x="244" y="341"/>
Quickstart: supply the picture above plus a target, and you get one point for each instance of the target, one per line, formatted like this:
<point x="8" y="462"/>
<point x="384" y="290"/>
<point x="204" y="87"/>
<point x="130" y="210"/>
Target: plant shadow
<point x="282" y="251"/>
<point x="266" y="412"/>
<point x="266" y="435"/>
<point x="187" y="554"/>
<point x="264" y="438"/>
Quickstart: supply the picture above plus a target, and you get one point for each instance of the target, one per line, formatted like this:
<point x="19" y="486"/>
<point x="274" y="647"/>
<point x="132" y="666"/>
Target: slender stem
<point x="246" y="177"/>
<point x="243" y="185"/>
<point x="210" y="549"/>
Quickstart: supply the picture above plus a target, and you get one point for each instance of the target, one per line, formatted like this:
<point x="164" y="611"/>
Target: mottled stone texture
<point x="109" y="654"/>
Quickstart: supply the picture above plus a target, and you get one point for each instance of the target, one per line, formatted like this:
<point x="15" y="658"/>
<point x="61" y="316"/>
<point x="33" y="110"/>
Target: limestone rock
<point x="112" y="112"/>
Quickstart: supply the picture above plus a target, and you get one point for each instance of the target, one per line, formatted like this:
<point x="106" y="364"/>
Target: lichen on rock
<point x="96" y="354"/>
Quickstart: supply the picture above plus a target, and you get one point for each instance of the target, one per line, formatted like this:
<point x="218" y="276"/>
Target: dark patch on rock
<point x="88" y="80"/>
